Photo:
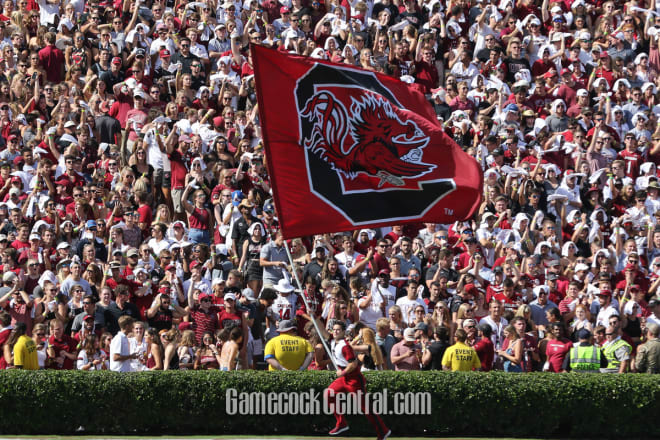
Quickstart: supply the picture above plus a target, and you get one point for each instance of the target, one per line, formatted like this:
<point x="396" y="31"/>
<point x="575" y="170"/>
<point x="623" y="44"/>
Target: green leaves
<point x="193" y="402"/>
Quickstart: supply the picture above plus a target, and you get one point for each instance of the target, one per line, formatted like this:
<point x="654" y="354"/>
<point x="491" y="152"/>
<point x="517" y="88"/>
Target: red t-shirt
<point x="633" y="161"/>
<point x="67" y="344"/>
<point x="179" y="170"/>
<point x="556" y="351"/>
<point x="4" y="336"/>
<point x="486" y="352"/>
<point x="146" y="215"/>
<point x="228" y="320"/>
<point x="20" y="246"/>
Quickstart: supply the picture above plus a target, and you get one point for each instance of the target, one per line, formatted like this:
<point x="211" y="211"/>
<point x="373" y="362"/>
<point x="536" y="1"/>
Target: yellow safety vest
<point x="609" y="351"/>
<point x="585" y="359"/>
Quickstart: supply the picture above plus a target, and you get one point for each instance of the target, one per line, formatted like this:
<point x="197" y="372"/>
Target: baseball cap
<point x="116" y="60"/>
<point x="583" y="334"/>
<point x="284" y="10"/>
<point x="139" y="93"/>
<point x="230" y="296"/>
<point x="236" y="197"/>
<point x="409" y="334"/>
<point x="132" y="252"/>
<point x="248" y="294"/>
<point x="285" y="325"/>
<point x="90" y="224"/>
<point x="384" y="272"/>
<point x="605" y="292"/>
<point x="421" y="326"/>
<point x="164" y="53"/>
<point x="565" y="71"/>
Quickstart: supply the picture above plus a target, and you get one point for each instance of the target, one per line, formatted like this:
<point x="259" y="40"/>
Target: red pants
<point x="353" y="385"/>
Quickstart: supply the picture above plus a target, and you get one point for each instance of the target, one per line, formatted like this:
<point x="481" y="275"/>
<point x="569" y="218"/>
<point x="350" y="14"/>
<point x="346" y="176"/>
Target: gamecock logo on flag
<point x="349" y="148"/>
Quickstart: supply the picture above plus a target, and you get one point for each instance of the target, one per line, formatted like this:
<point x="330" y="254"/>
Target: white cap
<point x="582" y="92"/>
<point x="581" y="266"/>
<point x="139" y="93"/>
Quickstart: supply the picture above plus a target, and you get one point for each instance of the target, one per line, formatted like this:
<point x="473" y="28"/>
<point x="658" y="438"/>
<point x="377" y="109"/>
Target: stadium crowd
<point x="138" y="229"/>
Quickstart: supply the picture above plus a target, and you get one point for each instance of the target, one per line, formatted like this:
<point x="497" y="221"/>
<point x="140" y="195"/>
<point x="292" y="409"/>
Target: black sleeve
<point x="603" y="360"/>
<point x="566" y="365"/>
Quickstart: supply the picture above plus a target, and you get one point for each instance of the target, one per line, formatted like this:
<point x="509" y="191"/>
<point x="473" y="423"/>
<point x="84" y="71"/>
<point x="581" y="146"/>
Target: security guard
<point x="617" y="351"/>
<point x="288" y="351"/>
<point x="585" y="357"/>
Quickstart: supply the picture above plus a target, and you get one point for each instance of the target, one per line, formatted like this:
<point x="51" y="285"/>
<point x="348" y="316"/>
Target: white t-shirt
<point x="121" y="346"/>
<point x="48" y="11"/>
<point x="408" y="308"/>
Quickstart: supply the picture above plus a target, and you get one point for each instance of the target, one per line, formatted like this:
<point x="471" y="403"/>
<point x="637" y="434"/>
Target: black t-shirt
<point x="240" y="232"/>
<point x="452" y="275"/>
<point x="162" y="320"/>
<point x="110" y="79"/>
<point x="437" y="349"/>
<point x="109" y="129"/>
<point x="113" y="313"/>
<point x="185" y="61"/>
<point x="99" y="70"/>
<point x="513" y="66"/>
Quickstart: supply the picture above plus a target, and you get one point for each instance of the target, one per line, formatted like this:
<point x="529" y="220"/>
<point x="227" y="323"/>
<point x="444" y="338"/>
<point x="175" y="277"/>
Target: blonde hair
<point x="188" y="338"/>
<point x="369" y="338"/>
<point x="462" y="311"/>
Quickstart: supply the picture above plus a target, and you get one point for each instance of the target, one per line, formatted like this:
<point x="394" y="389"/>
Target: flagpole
<point x="302" y="293"/>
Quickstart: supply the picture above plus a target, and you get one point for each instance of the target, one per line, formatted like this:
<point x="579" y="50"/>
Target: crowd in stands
<point x="138" y="229"/>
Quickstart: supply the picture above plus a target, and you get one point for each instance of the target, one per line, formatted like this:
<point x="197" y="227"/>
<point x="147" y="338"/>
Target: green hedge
<point x="498" y="404"/>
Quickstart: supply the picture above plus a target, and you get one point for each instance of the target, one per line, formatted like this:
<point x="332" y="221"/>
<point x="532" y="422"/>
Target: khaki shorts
<point x="176" y="200"/>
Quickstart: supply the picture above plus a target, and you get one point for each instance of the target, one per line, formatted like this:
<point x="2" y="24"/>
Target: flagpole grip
<point x="302" y="294"/>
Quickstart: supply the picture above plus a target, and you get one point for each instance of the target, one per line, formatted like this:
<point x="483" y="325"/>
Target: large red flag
<point x="348" y="148"/>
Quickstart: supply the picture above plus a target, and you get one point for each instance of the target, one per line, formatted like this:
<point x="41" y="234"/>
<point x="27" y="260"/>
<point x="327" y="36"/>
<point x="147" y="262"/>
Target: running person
<point x="349" y="380"/>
